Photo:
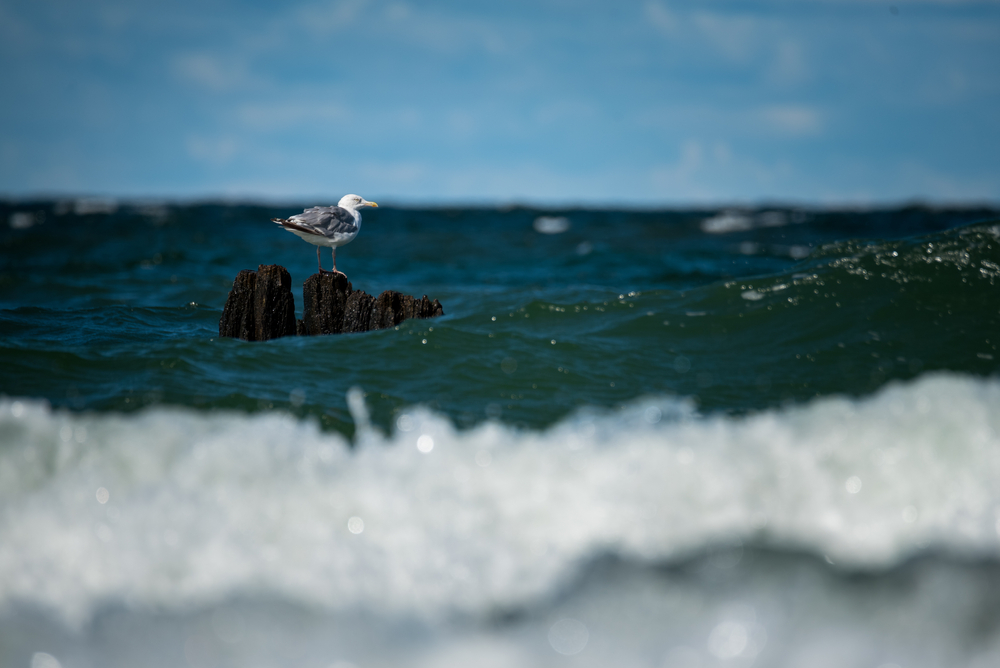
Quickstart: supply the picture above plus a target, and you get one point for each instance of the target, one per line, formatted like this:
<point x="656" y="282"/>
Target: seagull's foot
<point x="332" y="273"/>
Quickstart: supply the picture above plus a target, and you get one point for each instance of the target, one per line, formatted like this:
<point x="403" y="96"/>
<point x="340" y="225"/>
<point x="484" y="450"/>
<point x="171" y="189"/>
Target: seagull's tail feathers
<point x="292" y="225"/>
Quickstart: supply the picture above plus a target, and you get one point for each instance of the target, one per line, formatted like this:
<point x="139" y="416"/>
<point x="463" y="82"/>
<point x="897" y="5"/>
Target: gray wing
<point x="322" y="220"/>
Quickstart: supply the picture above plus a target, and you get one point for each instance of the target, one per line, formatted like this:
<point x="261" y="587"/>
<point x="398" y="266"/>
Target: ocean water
<point x="665" y="439"/>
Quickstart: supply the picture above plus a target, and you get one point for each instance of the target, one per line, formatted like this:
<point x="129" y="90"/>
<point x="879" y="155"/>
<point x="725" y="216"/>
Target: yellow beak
<point x="373" y="204"/>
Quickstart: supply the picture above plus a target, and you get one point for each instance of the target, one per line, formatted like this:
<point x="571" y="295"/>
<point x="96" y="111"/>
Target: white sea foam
<point x="175" y="509"/>
<point x="726" y="222"/>
<point x="551" y="224"/>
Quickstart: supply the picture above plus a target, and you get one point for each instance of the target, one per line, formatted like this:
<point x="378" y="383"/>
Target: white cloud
<point x="792" y="120"/>
<point x="734" y="37"/>
<point x="732" y="123"/>
<point x="285" y="114"/>
<point x="683" y="175"/>
<point x="327" y="17"/>
<point x="918" y="179"/>
<point x="211" y="72"/>
<point x="398" y="11"/>
<point x="462" y="124"/>
<point x="394" y="176"/>
<point x="212" y="150"/>
<point x="661" y="17"/>
<point x="789" y="64"/>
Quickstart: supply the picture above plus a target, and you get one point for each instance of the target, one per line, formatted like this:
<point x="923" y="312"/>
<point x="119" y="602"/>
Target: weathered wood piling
<point x="261" y="307"/>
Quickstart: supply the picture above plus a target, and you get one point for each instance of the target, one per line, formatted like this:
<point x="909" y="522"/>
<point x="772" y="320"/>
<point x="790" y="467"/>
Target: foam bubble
<point x="568" y="636"/>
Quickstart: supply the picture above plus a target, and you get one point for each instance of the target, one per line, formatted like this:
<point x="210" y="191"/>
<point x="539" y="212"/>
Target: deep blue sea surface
<point x="685" y="438"/>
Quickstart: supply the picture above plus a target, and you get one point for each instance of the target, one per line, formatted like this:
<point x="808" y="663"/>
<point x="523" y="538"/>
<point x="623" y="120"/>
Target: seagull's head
<point x="354" y="202"/>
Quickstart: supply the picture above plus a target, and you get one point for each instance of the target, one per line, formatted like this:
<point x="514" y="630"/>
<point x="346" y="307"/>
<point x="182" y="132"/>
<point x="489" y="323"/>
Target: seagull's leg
<point x="333" y="251"/>
<point x="319" y="262"/>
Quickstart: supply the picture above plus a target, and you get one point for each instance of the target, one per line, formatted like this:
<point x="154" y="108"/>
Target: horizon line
<point x="105" y="201"/>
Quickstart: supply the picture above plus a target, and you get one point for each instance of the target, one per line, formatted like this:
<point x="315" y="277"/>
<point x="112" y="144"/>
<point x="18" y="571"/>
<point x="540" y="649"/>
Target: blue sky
<point x="548" y="101"/>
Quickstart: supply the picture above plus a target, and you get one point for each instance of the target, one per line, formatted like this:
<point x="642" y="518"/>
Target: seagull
<point x="330" y="226"/>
